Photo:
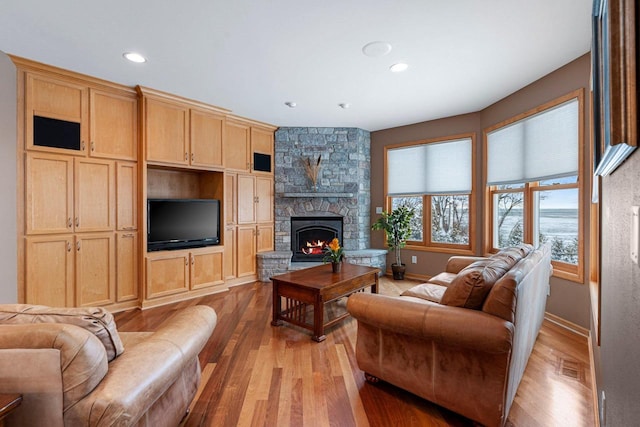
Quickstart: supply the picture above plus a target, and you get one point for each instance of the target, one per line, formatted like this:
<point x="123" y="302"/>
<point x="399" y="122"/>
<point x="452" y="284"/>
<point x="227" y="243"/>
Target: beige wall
<point x="568" y="300"/>
<point x="617" y="356"/>
<point x="8" y="194"/>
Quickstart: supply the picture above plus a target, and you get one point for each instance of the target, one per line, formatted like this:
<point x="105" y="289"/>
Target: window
<point x="533" y="186"/>
<point x="435" y="178"/>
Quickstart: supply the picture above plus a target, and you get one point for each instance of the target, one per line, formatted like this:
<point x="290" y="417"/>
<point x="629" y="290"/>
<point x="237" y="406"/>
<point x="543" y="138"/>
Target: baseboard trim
<point x="411" y="276"/>
<point x="567" y="324"/>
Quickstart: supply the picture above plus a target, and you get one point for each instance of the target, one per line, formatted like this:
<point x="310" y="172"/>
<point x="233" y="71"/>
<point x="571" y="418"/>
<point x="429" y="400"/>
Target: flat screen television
<point x="182" y="223"/>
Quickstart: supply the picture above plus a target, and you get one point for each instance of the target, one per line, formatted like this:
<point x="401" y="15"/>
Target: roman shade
<point x="539" y="147"/>
<point x="434" y="168"/>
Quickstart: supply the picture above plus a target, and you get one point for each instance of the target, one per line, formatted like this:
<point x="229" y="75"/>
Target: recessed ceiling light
<point x="344" y="105"/>
<point x="399" y="67"/>
<point x="290" y="104"/>
<point x="134" y="57"/>
<point x="375" y="49"/>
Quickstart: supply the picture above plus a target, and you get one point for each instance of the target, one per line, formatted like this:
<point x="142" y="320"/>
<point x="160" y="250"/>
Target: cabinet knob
<point x="82" y="146"/>
<point x="193" y="260"/>
<point x="77" y="221"/>
<point x="93" y="146"/>
<point x="78" y="245"/>
<point x="68" y="246"/>
<point x="69" y="223"/>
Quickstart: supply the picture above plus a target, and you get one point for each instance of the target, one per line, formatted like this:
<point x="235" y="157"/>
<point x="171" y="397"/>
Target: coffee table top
<point x="322" y="276"/>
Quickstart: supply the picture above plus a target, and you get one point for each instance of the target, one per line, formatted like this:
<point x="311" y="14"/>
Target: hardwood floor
<point x="255" y="374"/>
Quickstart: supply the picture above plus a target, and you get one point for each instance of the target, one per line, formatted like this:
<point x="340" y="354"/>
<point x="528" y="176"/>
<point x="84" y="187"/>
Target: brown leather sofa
<point x="463" y="339"/>
<point x="74" y="368"/>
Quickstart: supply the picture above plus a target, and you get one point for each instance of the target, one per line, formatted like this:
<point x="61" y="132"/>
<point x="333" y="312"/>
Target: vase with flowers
<point x="333" y="253"/>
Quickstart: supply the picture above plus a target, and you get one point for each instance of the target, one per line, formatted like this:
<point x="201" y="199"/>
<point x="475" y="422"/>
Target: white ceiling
<point x="251" y="56"/>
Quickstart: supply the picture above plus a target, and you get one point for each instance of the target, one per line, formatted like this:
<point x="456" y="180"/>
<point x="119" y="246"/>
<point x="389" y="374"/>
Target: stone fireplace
<point x="342" y="191"/>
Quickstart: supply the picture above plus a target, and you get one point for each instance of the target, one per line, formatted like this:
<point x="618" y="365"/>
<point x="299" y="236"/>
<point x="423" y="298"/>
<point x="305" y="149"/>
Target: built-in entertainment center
<point x="134" y="197"/>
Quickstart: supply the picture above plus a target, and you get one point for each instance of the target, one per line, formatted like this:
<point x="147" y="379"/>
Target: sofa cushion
<point x="471" y="286"/>
<point x="426" y="291"/>
<point x="443" y="279"/>
<point x="96" y="320"/>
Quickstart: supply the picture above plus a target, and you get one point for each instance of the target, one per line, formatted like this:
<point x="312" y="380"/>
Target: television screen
<point x="182" y="223"/>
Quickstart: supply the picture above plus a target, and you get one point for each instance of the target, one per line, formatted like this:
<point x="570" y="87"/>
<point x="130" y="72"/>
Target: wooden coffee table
<point x="314" y="287"/>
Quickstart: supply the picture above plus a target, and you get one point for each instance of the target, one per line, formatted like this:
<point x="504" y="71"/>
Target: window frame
<point x="427" y="244"/>
<point x="572" y="272"/>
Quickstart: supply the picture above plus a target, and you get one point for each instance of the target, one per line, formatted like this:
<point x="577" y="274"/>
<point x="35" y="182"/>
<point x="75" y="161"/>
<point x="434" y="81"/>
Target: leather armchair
<point x="59" y="363"/>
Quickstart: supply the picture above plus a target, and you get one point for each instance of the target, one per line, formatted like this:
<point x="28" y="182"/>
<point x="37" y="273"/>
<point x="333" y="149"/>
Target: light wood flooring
<point x="255" y="374"/>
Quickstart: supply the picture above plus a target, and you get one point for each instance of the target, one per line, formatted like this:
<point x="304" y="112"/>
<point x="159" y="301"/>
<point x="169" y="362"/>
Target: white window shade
<point x="436" y="168"/>
<point x="540" y="147"/>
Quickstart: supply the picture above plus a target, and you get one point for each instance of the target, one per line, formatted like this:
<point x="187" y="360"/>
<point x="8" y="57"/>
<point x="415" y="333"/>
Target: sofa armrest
<point x="142" y="374"/>
<point x="451" y="326"/>
<point x="458" y="262"/>
<point x="83" y="359"/>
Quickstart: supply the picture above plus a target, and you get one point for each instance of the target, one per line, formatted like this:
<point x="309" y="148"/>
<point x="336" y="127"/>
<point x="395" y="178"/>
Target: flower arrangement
<point x="333" y="252"/>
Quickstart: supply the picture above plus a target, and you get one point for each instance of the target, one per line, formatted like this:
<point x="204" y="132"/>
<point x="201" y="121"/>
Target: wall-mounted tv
<point x="182" y="223"/>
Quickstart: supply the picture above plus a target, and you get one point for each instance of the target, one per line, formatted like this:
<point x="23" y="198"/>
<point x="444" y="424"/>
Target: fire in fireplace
<point x="310" y="235"/>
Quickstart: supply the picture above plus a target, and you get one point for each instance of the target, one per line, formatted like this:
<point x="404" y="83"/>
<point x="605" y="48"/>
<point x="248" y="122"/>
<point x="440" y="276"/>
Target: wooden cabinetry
<point x="95" y="269"/>
<point x="113" y="125"/>
<point x="172" y="272"/>
<point x="248" y="146"/>
<point x="49" y="270"/>
<point x="64" y="194"/>
<point x="249" y="226"/>
<point x="87" y="181"/>
<point x="127" y="266"/>
<point x="79" y="191"/>
<point x="206" y="138"/>
<point x="246" y="250"/>
<point x="107" y="119"/>
<point x="70" y="270"/>
<point x="178" y="133"/>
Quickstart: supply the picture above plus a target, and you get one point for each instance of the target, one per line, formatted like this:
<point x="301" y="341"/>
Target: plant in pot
<point x="397" y="227"/>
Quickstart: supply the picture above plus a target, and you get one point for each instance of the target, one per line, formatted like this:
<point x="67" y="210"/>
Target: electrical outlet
<point x="414" y="259"/>
<point x="378" y="209"/>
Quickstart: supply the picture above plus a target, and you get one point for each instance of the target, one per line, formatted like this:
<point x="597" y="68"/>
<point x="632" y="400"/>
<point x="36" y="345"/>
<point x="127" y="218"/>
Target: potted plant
<point x="333" y="254"/>
<point x="397" y="227"/>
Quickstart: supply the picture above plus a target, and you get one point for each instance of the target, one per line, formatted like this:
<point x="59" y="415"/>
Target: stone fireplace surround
<point x="343" y="190"/>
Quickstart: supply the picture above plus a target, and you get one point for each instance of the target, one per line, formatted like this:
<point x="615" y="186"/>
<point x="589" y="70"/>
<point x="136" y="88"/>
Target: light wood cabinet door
<point x="246" y="251"/>
<point x="126" y="196"/>
<point x="126" y="266"/>
<point x="246" y="199"/>
<point x="230" y="199"/>
<point x="95" y="269"/>
<point x="206" y="268"/>
<point x="48" y="193"/>
<point x="237" y="141"/>
<point x="113" y="125"/>
<point x="264" y="238"/>
<point x="55" y="99"/>
<point x="49" y="270"/>
<point x="264" y="199"/>
<point x="262" y="143"/>
<point x="167" y="132"/>
<point x="167" y="274"/>
<point x="206" y="139"/>
<point x="230" y="254"/>
<point x="94" y="195"/>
